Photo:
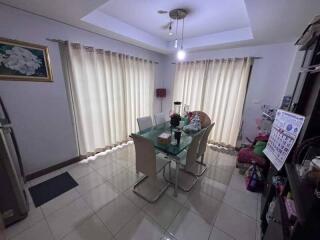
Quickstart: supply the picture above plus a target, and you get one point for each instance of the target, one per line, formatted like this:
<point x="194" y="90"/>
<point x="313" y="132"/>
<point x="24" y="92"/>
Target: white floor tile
<point x="219" y="198"/>
<point x="100" y="196"/>
<point x="181" y="197"/>
<point x="168" y="236"/>
<point x="242" y="201"/>
<point x="38" y="231"/>
<point x="218" y="174"/>
<point x="206" y="207"/>
<point x="189" y="226"/>
<point x="259" y="208"/>
<point x="59" y="202"/>
<point x="138" y="201"/>
<point x="110" y="170"/>
<point x="126" y="164"/>
<point x="163" y="211"/>
<point x="34" y="216"/>
<point x="123" y="180"/>
<point x="101" y="161"/>
<point x="66" y="219"/>
<point x="217" y="234"/>
<point x="79" y="170"/>
<point x="237" y="181"/>
<point x="235" y="223"/>
<point x="211" y="156"/>
<point x="117" y="213"/>
<point x="258" y="231"/>
<point x="226" y="160"/>
<point x="212" y="188"/>
<point x="89" y="182"/>
<point x="139" y="228"/>
<point x="90" y="229"/>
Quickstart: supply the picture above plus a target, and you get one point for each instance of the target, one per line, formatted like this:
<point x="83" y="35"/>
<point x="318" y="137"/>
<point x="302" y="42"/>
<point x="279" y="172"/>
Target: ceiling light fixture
<point x="181" y="54"/>
<point x="176" y="40"/>
<point x="170" y="29"/>
<point x="179" y="14"/>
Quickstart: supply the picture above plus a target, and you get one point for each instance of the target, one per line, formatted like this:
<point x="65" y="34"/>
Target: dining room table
<point x="172" y="149"/>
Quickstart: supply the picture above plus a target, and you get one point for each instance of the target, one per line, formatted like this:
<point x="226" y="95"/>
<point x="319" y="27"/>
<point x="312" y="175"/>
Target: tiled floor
<point x="103" y="206"/>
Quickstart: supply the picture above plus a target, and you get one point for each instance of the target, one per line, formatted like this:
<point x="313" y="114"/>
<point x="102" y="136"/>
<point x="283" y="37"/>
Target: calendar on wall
<point x="285" y="130"/>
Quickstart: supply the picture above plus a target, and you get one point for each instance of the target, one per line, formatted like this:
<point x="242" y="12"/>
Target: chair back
<point x="144" y="123"/>
<point x="193" y="149"/>
<point x="204" y="140"/>
<point x="159" y="118"/>
<point x="145" y="155"/>
<point x="204" y="118"/>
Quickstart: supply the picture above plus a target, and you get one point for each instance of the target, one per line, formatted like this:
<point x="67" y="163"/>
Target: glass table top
<point x="172" y="148"/>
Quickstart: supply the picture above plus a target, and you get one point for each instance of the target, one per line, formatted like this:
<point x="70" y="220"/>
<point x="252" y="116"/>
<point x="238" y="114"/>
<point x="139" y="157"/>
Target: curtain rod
<point x="218" y="58"/>
<point x="64" y="41"/>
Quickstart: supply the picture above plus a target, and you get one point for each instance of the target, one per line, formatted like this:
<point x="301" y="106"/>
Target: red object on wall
<point x="161" y="92"/>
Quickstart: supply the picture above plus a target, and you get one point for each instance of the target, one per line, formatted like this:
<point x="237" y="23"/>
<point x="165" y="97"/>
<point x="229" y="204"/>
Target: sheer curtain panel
<point x="217" y="87"/>
<point x="107" y="91"/>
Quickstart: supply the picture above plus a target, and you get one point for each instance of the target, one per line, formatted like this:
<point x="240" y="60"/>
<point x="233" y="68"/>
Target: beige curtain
<point x="217" y="87"/>
<point x="108" y="91"/>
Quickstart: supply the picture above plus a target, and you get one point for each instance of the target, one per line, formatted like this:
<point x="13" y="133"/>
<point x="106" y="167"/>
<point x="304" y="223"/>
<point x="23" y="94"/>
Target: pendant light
<point x="181" y="54"/>
<point x="176" y="15"/>
<point x="170" y="29"/>
<point x="176" y="40"/>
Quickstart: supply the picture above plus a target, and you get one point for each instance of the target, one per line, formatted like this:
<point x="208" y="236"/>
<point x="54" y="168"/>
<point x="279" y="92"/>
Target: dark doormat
<point x="47" y="190"/>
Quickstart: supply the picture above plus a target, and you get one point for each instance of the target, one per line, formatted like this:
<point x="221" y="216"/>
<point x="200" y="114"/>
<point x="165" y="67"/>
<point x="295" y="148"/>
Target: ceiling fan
<point x="176" y="15"/>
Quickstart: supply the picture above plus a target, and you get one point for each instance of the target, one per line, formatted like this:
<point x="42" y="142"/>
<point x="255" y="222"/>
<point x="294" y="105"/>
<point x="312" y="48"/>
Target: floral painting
<point x="24" y="61"/>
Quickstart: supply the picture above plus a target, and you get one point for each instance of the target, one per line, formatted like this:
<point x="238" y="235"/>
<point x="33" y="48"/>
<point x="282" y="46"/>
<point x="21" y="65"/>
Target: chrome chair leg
<point x="176" y="183"/>
<point x="176" y="180"/>
<point x="202" y="165"/>
<point x="156" y="198"/>
<point x="202" y="161"/>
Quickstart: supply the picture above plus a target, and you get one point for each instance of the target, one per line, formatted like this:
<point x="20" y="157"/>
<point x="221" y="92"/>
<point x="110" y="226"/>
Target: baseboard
<point x="52" y="168"/>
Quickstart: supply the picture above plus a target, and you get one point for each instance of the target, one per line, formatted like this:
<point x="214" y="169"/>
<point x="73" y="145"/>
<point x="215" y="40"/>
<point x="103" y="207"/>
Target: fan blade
<point x="162" y="11"/>
<point x="166" y="26"/>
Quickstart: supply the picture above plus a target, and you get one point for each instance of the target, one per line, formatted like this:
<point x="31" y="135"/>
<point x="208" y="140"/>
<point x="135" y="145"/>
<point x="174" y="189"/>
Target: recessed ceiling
<point x="210" y="24"/>
<point x="208" y="21"/>
<point x="204" y="17"/>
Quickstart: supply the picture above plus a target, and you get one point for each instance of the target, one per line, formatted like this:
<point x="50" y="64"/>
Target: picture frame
<point x="23" y="61"/>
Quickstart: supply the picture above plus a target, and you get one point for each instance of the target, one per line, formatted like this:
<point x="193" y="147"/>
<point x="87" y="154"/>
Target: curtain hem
<point x="224" y="148"/>
<point x="99" y="150"/>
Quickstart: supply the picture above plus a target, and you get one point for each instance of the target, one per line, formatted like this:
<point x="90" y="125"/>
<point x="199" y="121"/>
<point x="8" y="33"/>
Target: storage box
<point x="164" y="138"/>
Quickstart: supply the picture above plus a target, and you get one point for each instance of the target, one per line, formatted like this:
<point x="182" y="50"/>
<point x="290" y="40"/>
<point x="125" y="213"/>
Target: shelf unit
<point x="307" y="208"/>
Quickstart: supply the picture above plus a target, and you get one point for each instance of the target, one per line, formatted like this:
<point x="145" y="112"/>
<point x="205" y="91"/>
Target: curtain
<point x="217" y="87"/>
<point x="107" y="92"/>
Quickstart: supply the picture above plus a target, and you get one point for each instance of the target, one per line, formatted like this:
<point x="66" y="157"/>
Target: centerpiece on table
<point x="175" y="119"/>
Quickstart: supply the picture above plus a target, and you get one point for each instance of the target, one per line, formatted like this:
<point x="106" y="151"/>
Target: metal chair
<point x="159" y="118"/>
<point x="148" y="163"/>
<point x="187" y="159"/>
<point x="201" y="150"/>
<point x="144" y="123"/>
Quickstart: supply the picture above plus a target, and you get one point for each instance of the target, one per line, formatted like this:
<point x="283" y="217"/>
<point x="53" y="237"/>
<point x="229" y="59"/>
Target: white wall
<point x="268" y="82"/>
<point x="39" y="111"/>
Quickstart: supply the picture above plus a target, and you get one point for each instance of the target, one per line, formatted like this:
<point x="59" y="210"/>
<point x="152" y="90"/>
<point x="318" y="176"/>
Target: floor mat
<point x="48" y="190"/>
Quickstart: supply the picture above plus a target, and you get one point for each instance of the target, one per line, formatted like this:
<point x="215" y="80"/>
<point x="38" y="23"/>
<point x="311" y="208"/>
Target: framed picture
<point x="22" y="61"/>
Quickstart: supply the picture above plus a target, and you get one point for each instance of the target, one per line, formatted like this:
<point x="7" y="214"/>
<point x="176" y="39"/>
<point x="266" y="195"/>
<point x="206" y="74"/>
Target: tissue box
<point x="164" y="138"/>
